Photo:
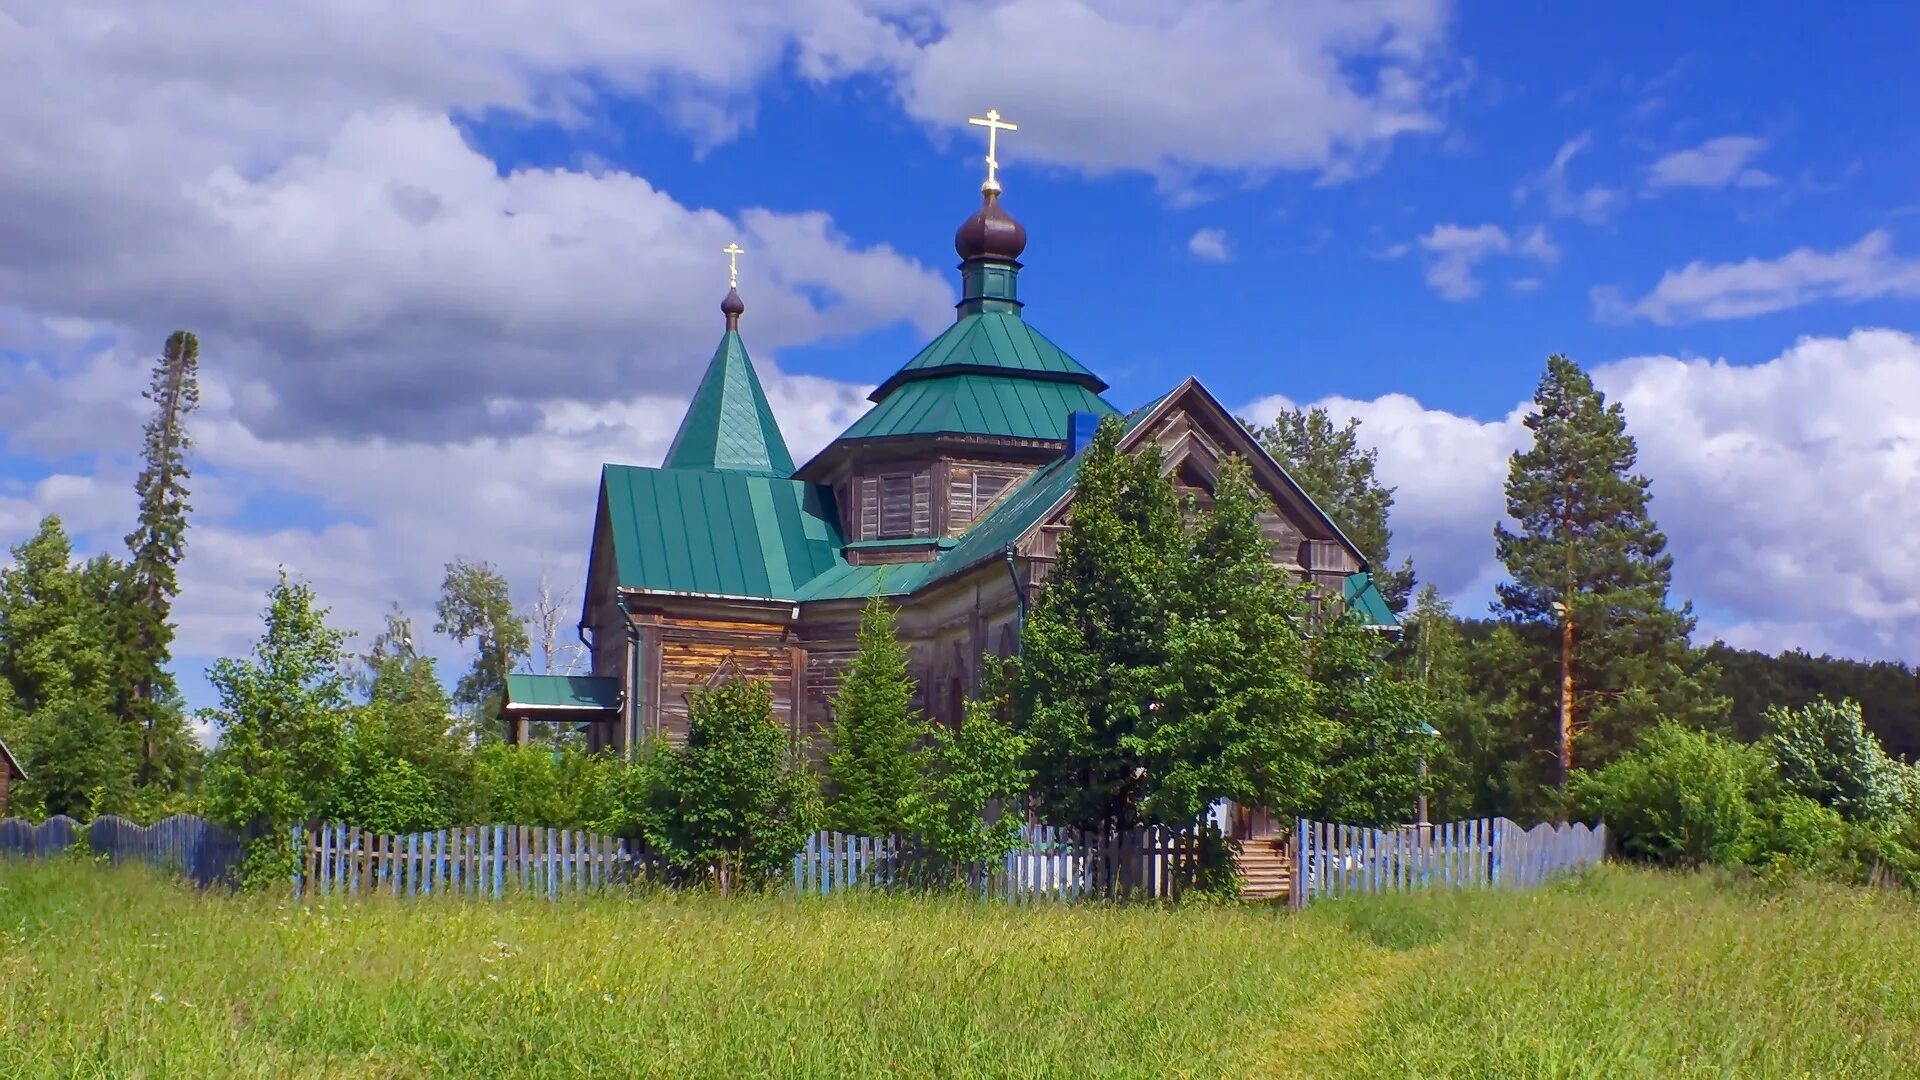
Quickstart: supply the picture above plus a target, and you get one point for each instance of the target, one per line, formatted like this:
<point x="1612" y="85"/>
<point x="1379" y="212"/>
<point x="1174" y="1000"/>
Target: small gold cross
<point x="994" y="126"/>
<point x="733" y="251"/>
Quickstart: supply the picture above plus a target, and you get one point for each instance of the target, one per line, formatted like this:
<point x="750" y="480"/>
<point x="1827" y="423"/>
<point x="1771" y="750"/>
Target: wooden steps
<point x="1266" y="873"/>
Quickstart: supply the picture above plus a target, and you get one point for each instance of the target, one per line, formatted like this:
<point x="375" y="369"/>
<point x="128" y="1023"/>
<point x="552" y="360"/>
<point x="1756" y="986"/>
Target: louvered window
<point x="971" y="492"/>
<point x="896" y="506"/>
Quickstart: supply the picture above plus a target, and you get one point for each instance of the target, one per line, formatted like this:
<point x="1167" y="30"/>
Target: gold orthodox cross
<point x="733" y="251"/>
<point x="994" y="126"/>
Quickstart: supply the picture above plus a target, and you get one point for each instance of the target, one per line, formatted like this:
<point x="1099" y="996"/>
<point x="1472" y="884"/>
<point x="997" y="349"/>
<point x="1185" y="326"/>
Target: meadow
<point x="122" y="972"/>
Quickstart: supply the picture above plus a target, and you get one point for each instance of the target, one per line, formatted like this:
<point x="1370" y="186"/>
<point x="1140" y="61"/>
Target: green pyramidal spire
<point x="729" y="424"/>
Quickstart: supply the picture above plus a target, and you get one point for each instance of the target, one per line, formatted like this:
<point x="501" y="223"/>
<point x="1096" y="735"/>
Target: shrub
<point x="563" y="788"/>
<point x="737" y="802"/>
<point x="1682" y="796"/>
<point x="966" y="808"/>
<point x="1824" y="751"/>
<point x="871" y="767"/>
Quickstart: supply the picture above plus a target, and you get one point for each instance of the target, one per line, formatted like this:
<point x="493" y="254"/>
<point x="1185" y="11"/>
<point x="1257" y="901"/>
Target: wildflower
<point x="159" y="997"/>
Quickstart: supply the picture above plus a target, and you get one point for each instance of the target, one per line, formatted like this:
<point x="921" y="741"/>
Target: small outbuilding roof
<point x="554" y="693"/>
<point x="11" y="762"/>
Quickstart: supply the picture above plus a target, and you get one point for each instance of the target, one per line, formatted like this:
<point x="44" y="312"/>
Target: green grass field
<point x="1624" y="973"/>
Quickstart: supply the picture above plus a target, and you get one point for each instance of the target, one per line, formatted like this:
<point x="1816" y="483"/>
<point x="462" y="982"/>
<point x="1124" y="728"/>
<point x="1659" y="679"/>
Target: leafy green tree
<point x="156" y="547"/>
<point x="736" y="803"/>
<point x="871" y="767"/>
<point x="476" y="605"/>
<point x="1588" y="562"/>
<point x="1233" y="714"/>
<point x="1338" y="474"/>
<point x="1094" y="649"/>
<point x="1370" y="775"/>
<point x="282" y="750"/>
<point x="967" y="807"/>
<point x="1825" y="752"/>
<point x="57" y="658"/>
<point x="1466" y="755"/>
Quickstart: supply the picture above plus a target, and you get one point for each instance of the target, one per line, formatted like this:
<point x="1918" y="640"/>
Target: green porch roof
<point x="976" y="404"/>
<point x="718" y="533"/>
<point x="994" y="342"/>
<point x="1363" y="598"/>
<point x="729" y="424"/>
<point x="7" y="760"/>
<point x="535" y="693"/>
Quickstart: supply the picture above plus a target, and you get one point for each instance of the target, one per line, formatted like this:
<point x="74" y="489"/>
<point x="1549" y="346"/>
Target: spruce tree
<point x="1338" y="474"/>
<point x="1588" y="564"/>
<point x="871" y="766"/>
<point x="156" y="548"/>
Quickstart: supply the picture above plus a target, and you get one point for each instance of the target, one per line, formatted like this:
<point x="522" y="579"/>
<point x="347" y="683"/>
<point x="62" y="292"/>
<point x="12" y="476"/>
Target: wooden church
<point x="948" y="497"/>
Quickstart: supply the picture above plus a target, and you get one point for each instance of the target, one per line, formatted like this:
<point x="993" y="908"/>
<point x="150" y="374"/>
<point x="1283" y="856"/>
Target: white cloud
<point x="1210" y="245"/>
<point x="395" y="511"/>
<point x="1590" y="204"/>
<point x="1717" y="163"/>
<point x="1869" y="270"/>
<point x="1104" y="85"/>
<point x="1455" y="251"/>
<point x="1785" y="488"/>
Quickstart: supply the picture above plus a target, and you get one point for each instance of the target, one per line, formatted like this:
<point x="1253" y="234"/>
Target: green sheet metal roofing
<point x="729" y="424"/>
<point x="587" y="692"/>
<point x="976" y="404"/>
<point x="7" y="759"/>
<point x="1364" y="599"/>
<point x="995" y="342"/>
<point x="718" y="533"/>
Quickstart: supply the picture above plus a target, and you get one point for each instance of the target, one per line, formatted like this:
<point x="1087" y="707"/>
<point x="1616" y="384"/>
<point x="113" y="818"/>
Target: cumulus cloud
<point x="1453" y="252"/>
<point x="1868" y="270"/>
<point x="385" y="514"/>
<point x="1717" y="163"/>
<point x="1168" y="89"/>
<point x="1784" y="488"/>
<point x="1563" y="198"/>
<point x="1209" y="245"/>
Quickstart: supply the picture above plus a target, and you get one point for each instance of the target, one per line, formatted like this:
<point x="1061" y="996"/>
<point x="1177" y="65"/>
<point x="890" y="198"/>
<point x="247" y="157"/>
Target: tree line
<point x="1166" y="666"/>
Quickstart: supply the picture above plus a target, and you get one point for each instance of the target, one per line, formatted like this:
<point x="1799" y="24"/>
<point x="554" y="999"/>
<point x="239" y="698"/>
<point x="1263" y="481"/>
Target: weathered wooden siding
<point x="698" y="653"/>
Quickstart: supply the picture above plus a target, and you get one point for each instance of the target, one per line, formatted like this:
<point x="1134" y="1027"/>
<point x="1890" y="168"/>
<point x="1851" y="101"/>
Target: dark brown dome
<point x="733" y="306"/>
<point x="991" y="233"/>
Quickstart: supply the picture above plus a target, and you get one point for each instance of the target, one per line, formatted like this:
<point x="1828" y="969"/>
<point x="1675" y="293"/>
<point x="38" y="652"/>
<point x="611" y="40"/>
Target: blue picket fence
<point x="1049" y="865"/>
<point x="478" y="860"/>
<point x="185" y="843"/>
<point x="1338" y="860"/>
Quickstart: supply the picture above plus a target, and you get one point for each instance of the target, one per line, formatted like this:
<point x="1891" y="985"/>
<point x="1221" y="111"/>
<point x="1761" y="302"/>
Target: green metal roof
<point x="587" y="692"/>
<point x="974" y="404"/>
<point x="1020" y="509"/>
<point x="729" y="424"/>
<point x="19" y="769"/>
<point x="1363" y="598"/>
<point x="846" y="581"/>
<point x="718" y="533"/>
<point x="992" y="342"/>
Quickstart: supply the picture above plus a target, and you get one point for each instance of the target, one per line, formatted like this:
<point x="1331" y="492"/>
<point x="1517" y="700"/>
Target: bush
<point x="967" y="806"/>
<point x="1681" y="797"/>
<point x="735" y="804"/>
<point x="1825" y="752"/>
<point x="535" y="785"/>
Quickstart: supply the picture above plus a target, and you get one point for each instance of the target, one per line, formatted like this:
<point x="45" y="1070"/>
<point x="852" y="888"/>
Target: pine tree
<point x="1338" y="474"/>
<point x="475" y="604"/>
<point x="1588" y="562"/>
<point x="156" y="547"/>
<point x="871" y="767"/>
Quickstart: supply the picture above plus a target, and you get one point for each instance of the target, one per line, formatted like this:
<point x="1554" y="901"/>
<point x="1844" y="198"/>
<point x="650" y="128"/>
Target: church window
<point x="896" y="506"/>
<point x="971" y="492"/>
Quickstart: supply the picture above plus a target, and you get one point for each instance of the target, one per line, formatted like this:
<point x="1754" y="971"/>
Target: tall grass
<point x="120" y="972"/>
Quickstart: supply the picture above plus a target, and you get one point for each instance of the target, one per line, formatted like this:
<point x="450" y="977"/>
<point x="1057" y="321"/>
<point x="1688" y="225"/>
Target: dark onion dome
<point x="733" y="307"/>
<point x="991" y="233"/>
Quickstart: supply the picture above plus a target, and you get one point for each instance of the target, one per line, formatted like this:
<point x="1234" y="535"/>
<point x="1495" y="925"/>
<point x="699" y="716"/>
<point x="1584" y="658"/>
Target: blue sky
<point x="446" y="260"/>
